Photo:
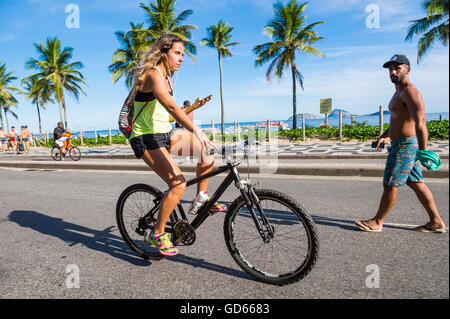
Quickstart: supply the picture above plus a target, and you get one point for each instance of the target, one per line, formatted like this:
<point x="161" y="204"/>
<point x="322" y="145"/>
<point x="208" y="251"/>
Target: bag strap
<point x="139" y="113"/>
<point x="168" y="77"/>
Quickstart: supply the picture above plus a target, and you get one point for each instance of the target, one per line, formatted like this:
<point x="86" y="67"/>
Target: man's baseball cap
<point x="397" y="58"/>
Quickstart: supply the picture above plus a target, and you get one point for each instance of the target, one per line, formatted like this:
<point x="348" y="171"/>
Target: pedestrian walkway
<point x="316" y="159"/>
<point x="282" y="149"/>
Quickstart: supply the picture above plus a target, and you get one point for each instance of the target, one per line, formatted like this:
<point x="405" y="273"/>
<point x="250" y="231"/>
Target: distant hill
<point x="335" y="113"/>
<point x="307" y="116"/>
<point x="378" y="113"/>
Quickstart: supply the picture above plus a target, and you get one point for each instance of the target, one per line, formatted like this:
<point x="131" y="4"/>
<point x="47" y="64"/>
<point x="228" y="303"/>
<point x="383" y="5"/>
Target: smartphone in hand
<point x="374" y="145"/>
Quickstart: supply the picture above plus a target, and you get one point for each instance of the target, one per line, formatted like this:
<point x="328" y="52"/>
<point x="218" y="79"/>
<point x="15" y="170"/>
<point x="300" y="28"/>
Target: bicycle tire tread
<point x="237" y="203"/>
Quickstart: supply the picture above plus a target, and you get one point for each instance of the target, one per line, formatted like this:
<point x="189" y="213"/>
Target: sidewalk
<point x="320" y="159"/>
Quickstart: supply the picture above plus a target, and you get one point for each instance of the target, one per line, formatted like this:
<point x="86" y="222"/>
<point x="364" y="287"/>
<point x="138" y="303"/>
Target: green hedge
<point x="101" y="141"/>
<point x="437" y="130"/>
<point x="361" y="131"/>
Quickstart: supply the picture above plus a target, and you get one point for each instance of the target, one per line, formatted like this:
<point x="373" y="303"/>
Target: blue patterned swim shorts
<point x="402" y="166"/>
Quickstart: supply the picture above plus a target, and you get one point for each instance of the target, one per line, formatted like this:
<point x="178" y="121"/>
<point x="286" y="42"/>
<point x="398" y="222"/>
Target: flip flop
<point x="367" y="228"/>
<point x="426" y="229"/>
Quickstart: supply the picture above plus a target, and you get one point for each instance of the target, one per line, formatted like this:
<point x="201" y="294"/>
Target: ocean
<point x="372" y="120"/>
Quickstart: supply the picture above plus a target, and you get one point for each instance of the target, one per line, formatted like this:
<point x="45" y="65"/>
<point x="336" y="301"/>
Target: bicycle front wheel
<point x="75" y="153"/>
<point x="292" y="251"/>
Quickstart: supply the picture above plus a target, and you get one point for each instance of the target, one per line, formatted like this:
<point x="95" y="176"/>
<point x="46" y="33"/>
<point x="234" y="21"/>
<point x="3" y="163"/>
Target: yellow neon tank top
<point x="154" y="119"/>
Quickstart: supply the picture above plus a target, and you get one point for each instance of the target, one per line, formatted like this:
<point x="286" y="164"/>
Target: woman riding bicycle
<point x="153" y="139"/>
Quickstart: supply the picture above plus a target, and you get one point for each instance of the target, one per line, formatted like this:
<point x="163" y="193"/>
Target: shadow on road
<point x="347" y="224"/>
<point x="201" y="263"/>
<point x="100" y="240"/>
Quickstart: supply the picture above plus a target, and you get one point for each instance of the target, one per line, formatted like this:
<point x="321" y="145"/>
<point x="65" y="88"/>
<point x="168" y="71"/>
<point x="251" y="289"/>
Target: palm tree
<point x="434" y="27"/>
<point x="7" y="109"/>
<point x="39" y="92"/>
<point x="219" y="36"/>
<point x="162" y="19"/>
<point x="133" y="45"/>
<point x="59" y="74"/>
<point x="7" y="98"/>
<point x="290" y="35"/>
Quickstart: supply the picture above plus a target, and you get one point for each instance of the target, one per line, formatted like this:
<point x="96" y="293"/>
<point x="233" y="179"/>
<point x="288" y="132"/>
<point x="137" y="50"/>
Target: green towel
<point x="429" y="159"/>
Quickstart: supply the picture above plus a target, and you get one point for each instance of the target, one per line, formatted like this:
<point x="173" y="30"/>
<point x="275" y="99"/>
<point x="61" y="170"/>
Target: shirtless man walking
<point x="25" y="137"/>
<point x="408" y="133"/>
<point x="12" y="135"/>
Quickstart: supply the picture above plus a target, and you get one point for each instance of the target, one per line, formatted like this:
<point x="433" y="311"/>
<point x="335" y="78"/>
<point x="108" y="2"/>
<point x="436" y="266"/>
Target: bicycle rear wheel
<point x="75" y="153"/>
<point x="56" y="153"/>
<point x="287" y="257"/>
<point x="133" y="205"/>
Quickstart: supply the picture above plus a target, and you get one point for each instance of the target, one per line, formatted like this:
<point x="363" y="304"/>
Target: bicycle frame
<point x="203" y="212"/>
<point x="67" y="144"/>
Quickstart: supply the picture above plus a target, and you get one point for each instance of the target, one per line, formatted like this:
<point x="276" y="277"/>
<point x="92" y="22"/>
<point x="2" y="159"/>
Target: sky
<point x="359" y="36"/>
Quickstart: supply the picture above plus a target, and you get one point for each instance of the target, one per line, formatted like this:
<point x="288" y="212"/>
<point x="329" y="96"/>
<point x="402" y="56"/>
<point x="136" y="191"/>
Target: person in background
<point x="3" y="140"/>
<point x="12" y="135"/>
<point x="25" y="137"/>
<point x="186" y="104"/>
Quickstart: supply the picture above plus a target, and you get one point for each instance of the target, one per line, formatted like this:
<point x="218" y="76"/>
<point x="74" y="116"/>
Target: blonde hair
<point x="153" y="57"/>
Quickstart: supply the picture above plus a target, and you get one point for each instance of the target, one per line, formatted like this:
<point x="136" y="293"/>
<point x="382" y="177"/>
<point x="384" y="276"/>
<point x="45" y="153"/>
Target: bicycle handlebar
<point x="228" y="150"/>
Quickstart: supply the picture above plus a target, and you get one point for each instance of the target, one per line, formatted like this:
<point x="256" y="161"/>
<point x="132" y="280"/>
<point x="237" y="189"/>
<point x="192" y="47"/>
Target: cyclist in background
<point x="58" y="135"/>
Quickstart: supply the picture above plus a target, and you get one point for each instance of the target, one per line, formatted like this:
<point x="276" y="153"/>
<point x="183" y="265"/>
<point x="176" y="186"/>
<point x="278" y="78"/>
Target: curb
<point x="373" y="170"/>
<point x="279" y="156"/>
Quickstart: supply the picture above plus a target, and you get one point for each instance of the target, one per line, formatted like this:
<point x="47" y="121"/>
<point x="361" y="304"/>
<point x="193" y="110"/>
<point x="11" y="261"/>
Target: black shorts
<point x="151" y="142"/>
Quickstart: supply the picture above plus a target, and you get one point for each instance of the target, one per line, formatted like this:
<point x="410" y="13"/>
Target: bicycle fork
<point x="266" y="231"/>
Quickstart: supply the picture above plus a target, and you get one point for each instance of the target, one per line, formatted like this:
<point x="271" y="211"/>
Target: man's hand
<point x="379" y="141"/>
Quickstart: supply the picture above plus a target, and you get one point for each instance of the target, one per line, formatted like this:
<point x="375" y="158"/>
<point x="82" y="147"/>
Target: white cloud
<point x="5" y="37"/>
<point x="358" y="86"/>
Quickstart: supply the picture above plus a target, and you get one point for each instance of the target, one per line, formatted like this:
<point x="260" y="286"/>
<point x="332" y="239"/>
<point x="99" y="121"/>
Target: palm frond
<point x="430" y="28"/>
<point x="426" y="42"/>
<point x="421" y="25"/>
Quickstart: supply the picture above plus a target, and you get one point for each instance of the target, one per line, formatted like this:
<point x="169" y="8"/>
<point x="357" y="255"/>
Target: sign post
<point x="325" y="108"/>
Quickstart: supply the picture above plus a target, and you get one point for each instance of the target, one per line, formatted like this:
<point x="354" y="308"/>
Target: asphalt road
<point x="55" y="225"/>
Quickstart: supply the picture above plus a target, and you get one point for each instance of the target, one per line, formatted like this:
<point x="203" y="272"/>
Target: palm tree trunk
<point x="65" y="112"/>
<point x="1" y="117"/>
<point x="294" y="99"/>
<point x="60" y="112"/>
<point x="39" y="117"/>
<point x="6" y="119"/>
<point x="221" y="99"/>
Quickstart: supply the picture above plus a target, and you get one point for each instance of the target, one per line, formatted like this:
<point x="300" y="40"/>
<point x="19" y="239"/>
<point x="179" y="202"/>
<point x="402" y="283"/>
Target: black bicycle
<point x="268" y="233"/>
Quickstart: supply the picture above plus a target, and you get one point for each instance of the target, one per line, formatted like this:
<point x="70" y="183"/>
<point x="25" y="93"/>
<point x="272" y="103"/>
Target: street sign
<point x="325" y="106"/>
